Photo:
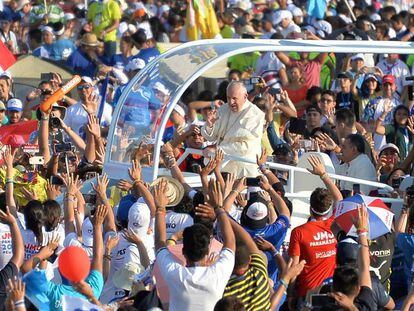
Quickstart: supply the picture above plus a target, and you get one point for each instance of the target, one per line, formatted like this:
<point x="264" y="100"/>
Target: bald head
<point x="236" y="95"/>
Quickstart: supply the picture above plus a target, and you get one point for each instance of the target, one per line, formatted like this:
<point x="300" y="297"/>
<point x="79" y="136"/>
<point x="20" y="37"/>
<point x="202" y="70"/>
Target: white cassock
<point x="238" y="134"/>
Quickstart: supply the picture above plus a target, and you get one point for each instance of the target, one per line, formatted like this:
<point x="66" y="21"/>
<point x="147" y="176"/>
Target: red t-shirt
<point x="315" y="243"/>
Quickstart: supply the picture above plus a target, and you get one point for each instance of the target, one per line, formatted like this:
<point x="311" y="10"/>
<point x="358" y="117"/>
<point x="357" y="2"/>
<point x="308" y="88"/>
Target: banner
<point x="7" y="58"/>
<point x="20" y="132"/>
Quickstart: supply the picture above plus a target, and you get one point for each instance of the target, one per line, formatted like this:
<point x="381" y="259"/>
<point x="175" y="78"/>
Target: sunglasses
<point x="47" y="92"/>
<point x="84" y="87"/>
<point x="70" y="159"/>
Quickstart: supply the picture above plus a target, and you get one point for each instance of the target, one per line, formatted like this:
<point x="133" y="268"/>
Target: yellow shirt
<point x="103" y="15"/>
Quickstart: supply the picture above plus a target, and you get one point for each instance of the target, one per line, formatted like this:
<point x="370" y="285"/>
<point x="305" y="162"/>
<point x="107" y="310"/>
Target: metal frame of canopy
<point x="211" y="52"/>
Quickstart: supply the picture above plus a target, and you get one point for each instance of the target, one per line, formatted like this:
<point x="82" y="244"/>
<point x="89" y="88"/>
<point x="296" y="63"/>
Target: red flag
<point x="7" y="58"/>
<point x="17" y="134"/>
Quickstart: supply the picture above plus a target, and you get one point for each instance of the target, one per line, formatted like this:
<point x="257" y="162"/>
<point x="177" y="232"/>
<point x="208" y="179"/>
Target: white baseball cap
<point x="257" y="211"/>
<point x="135" y="64"/>
<point x="87" y="233"/>
<point x="139" y="217"/>
<point x="281" y="14"/>
<point x="357" y="56"/>
<point x="14" y="104"/>
<point x="161" y="88"/>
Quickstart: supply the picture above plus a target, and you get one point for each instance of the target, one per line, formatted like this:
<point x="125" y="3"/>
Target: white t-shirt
<point x="6" y="245"/>
<point x="176" y="222"/>
<point x="195" y="288"/>
<point x="76" y="117"/>
<point x="122" y="254"/>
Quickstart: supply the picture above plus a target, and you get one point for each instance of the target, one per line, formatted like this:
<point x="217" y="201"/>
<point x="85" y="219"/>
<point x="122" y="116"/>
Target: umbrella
<point x="379" y="215"/>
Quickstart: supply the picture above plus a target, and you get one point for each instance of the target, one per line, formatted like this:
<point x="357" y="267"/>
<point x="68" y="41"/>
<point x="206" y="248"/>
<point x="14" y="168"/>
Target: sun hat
<point x="175" y="190"/>
<point x="89" y="39"/>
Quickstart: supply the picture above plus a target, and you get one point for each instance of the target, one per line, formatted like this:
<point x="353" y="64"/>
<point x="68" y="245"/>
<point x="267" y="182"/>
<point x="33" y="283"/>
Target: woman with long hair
<point x="369" y="89"/>
<point x="297" y="89"/>
<point x="400" y="132"/>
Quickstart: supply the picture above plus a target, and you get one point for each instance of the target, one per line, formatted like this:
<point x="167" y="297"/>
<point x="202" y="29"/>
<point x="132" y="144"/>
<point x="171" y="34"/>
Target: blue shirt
<point x="275" y="234"/>
<point x="80" y="63"/>
<point x="62" y="49"/>
<point x="147" y="54"/>
<point x="119" y="61"/>
<point x="405" y="243"/>
<point x="46" y="295"/>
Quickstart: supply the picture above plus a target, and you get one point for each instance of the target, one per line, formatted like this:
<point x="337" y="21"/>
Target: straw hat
<point x="175" y="190"/>
<point x="124" y="277"/>
<point x="89" y="39"/>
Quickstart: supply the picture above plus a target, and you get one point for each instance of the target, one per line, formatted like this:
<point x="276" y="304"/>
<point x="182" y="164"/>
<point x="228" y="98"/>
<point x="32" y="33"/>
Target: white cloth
<point x="238" y="134"/>
<point x="76" y="117"/>
<point x="195" y="288"/>
<point x="360" y="167"/>
<point x="399" y="70"/>
<point x="176" y="222"/>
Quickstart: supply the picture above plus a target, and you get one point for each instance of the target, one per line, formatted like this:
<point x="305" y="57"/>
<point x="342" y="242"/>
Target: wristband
<point x="235" y="191"/>
<point x="172" y="240"/>
<point x="263" y="167"/>
<point x="275" y="253"/>
<point x="9" y="181"/>
<point x="365" y="233"/>
<point x="283" y="282"/>
<point x="160" y="212"/>
<point x="108" y="257"/>
<point x="323" y="176"/>
<point x="221" y="211"/>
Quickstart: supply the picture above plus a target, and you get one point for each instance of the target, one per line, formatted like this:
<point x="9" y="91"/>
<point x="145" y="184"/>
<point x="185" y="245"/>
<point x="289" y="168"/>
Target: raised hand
<point x="72" y="184"/>
<point x="219" y="157"/>
<point x="124" y="185"/>
<point x="216" y="194"/>
<point x="264" y="183"/>
<point x="135" y="171"/>
<point x="8" y="156"/>
<point x="101" y="186"/>
<point x="93" y="126"/>
<point x="205" y="211"/>
<point x="111" y="243"/>
<point x="15" y="289"/>
<point x="206" y="170"/>
<point x="293" y="271"/>
<point x="261" y="160"/>
<point x="99" y="216"/>
<point x="317" y="166"/>
<point x="160" y="197"/>
<point x="326" y="141"/>
<point x="131" y="236"/>
<point x="7" y="217"/>
<point x="410" y="124"/>
<point x="361" y="222"/>
<point x="29" y="195"/>
<point x="52" y="191"/>
<point x="241" y="200"/>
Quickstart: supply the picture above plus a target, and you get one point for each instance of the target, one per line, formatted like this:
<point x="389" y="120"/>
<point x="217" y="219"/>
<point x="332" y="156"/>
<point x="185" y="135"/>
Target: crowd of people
<point x="228" y="244"/>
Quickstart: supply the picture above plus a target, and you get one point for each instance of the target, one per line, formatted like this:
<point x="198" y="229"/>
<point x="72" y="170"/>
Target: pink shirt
<point x="311" y="71"/>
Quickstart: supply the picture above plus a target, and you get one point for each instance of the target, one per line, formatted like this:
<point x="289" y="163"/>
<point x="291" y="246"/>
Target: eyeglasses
<point x="84" y="87"/>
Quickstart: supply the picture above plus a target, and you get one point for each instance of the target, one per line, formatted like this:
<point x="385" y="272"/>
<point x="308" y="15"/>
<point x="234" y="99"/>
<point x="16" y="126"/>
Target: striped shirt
<point x="252" y="288"/>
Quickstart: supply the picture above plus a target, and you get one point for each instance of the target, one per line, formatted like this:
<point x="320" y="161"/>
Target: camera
<point x="254" y="80"/>
<point x="37" y="160"/>
<point x="63" y="147"/>
<point x="252" y="181"/>
<point x="54" y="122"/>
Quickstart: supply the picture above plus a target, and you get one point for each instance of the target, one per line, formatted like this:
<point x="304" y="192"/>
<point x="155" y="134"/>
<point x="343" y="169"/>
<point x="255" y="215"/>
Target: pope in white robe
<point x="237" y="131"/>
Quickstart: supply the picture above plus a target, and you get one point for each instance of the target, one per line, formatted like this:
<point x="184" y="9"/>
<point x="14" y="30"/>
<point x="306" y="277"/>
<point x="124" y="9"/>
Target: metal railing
<point x="292" y="169"/>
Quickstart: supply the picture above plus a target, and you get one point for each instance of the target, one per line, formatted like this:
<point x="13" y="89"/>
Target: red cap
<point x="388" y="79"/>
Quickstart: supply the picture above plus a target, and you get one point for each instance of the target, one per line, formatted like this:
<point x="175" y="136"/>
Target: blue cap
<point x="124" y="206"/>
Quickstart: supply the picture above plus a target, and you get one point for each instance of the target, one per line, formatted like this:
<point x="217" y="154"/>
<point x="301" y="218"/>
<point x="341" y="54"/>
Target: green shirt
<point x="400" y="137"/>
<point x="226" y="32"/>
<point x="244" y="62"/>
<point x="103" y="15"/>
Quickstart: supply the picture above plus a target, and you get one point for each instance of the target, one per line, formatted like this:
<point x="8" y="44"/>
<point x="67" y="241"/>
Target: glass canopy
<point x="146" y="103"/>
